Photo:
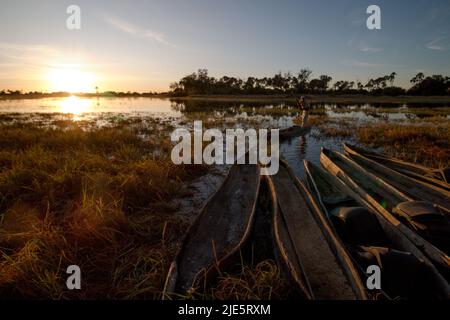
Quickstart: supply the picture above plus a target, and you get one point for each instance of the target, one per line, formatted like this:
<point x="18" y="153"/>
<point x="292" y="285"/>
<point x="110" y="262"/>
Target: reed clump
<point x="260" y="282"/>
<point x="428" y="144"/>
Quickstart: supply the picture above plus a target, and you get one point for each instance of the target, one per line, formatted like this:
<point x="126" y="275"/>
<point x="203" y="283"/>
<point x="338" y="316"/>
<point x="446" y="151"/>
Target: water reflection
<point x="302" y="144"/>
<point x="76" y="105"/>
<point x="79" y="106"/>
<point x="306" y="146"/>
<point x="191" y="108"/>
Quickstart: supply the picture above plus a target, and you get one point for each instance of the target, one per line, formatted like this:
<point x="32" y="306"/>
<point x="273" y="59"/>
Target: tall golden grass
<point x="100" y="199"/>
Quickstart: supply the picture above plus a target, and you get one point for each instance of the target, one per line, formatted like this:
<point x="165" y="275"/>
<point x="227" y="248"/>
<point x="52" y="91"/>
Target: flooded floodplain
<point x="331" y="122"/>
<point x="91" y="180"/>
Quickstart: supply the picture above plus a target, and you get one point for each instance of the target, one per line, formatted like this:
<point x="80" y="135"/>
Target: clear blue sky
<point x="146" y="45"/>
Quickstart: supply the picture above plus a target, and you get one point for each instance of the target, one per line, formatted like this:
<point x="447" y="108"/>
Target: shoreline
<point x="323" y="98"/>
<point x="345" y="99"/>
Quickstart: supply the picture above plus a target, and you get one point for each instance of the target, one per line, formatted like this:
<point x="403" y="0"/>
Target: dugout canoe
<point x="218" y="232"/>
<point x="320" y="271"/>
<point x="415" y="188"/>
<point x="390" y="203"/>
<point x="371" y="239"/>
<point x="437" y="177"/>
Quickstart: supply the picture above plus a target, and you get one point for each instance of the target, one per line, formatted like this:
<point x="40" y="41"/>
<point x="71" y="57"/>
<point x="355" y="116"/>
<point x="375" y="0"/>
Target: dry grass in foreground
<point x="260" y="282"/>
<point x="100" y="199"/>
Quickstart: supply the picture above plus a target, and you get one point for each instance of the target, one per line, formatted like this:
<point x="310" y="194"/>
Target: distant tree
<point x="430" y="86"/>
<point x="319" y="85"/>
<point x="394" y="91"/>
<point x="201" y="83"/>
<point x="381" y="82"/>
<point x="278" y="82"/>
<point x="260" y="86"/>
<point x="287" y="82"/>
<point x="325" y="81"/>
<point x="14" y="92"/>
<point x="344" y="86"/>
<point x="249" y="85"/>
<point x="350" y="85"/>
<point x="418" y="78"/>
<point x="391" y="78"/>
<point x="360" y="86"/>
<point x="370" y="85"/>
<point x="315" y="86"/>
<point x="301" y="82"/>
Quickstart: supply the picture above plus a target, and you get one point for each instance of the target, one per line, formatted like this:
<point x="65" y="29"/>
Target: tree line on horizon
<point x="200" y="83"/>
<point x="64" y="94"/>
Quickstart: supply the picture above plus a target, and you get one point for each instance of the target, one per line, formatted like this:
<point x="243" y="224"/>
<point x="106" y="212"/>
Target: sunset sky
<point x="146" y="45"/>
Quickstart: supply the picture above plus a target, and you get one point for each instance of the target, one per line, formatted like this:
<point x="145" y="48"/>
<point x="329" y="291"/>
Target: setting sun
<point x="70" y="80"/>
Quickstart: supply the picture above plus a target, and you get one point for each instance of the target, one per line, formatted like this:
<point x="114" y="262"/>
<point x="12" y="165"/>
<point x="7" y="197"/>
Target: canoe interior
<point x="436" y="228"/>
<point x="218" y="232"/>
<point x="427" y="177"/>
<point x="302" y="241"/>
<point x="396" y="282"/>
<point x="287" y="260"/>
<point x="416" y="189"/>
<point x="358" y="182"/>
<point x="386" y="198"/>
<point x="435" y="176"/>
<point x="258" y="247"/>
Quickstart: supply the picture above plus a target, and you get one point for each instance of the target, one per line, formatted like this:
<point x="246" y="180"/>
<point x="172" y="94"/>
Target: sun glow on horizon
<point x="70" y="79"/>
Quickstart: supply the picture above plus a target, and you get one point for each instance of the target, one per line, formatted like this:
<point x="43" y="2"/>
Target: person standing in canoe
<point x="304" y="108"/>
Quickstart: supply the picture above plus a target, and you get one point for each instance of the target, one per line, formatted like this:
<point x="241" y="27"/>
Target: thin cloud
<point x="363" y="45"/>
<point x="27" y="49"/>
<point x="439" y="44"/>
<point x="29" y="57"/>
<point x="365" y="64"/>
<point x="137" y="31"/>
<point x="370" y="49"/>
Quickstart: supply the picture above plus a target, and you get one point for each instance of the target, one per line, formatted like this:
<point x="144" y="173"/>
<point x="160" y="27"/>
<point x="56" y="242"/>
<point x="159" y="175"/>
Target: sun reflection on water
<point x="76" y="106"/>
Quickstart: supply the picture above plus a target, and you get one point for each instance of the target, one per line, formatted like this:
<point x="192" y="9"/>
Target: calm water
<point x="307" y="147"/>
<point x="232" y="113"/>
<point x="83" y="106"/>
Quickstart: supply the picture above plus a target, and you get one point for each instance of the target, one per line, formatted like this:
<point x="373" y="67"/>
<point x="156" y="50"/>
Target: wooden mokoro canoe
<point x="302" y="246"/>
<point x="406" y="271"/>
<point x="438" y="177"/>
<point x="415" y="188"/>
<point x="217" y="233"/>
<point x="382" y="197"/>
